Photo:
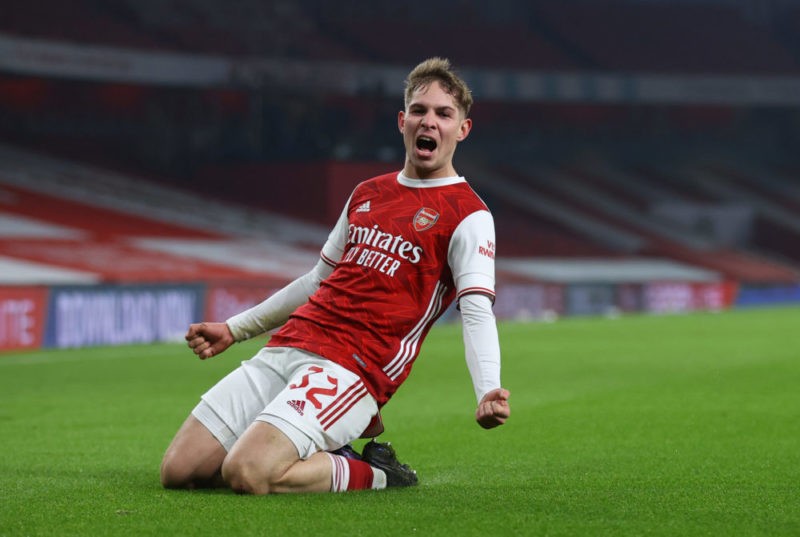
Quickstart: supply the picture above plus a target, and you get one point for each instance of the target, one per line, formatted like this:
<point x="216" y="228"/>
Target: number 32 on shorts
<point x="319" y="388"/>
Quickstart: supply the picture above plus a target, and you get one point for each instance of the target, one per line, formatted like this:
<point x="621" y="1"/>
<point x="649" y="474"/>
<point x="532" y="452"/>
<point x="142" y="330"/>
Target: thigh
<point x="323" y="406"/>
<point x="232" y="404"/>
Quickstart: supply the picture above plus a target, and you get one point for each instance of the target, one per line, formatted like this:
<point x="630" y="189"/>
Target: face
<point x="432" y="125"/>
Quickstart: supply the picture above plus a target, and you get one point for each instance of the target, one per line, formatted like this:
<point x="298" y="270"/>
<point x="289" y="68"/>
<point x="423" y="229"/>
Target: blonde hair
<point x="439" y="70"/>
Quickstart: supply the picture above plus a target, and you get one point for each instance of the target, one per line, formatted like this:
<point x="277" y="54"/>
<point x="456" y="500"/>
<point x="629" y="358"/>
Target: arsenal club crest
<point x="425" y="219"/>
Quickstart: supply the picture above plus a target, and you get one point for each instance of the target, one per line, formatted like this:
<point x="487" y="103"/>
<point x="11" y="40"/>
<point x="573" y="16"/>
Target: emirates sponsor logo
<point x="425" y="219"/>
<point x="392" y="245"/>
<point x="299" y="406"/>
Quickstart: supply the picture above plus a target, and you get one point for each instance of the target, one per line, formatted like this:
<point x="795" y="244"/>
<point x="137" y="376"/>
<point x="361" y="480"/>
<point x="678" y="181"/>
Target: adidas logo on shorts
<point x="297" y="405"/>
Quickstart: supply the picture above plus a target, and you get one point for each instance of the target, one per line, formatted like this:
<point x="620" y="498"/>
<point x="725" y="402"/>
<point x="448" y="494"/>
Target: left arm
<point x="482" y="350"/>
<point x="471" y="259"/>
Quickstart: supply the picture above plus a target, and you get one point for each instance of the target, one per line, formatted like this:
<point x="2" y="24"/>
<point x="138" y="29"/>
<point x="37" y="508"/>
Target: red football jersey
<point x="403" y="249"/>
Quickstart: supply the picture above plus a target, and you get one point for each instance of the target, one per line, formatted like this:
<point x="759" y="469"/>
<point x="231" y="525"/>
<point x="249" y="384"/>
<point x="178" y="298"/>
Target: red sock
<point x="350" y="474"/>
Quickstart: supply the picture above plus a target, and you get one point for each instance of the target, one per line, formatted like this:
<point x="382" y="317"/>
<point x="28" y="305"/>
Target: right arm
<point x="208" y="339"/>
<point x="275" y="310"/>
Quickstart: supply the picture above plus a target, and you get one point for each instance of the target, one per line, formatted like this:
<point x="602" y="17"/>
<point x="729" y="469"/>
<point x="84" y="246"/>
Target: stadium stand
<point x="698" y="37"/>
<point x="605" y="220"/>
<point x="79" y="21"/>
<point x="666" y="37"/>
<point x="566" y="180"/>
<point x="83" y="223"/>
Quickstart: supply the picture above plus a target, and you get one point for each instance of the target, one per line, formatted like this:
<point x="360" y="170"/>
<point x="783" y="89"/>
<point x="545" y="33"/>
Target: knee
<point x="179" y="472"/>
<point x="175" y="475"/>
<point x="246" y="476"/>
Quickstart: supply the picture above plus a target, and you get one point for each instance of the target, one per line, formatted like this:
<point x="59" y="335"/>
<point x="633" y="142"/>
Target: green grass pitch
<point x="642" y="425"/>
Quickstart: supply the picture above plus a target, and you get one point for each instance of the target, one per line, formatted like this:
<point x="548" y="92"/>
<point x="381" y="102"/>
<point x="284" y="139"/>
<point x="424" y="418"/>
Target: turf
<point x="643" y="425"/>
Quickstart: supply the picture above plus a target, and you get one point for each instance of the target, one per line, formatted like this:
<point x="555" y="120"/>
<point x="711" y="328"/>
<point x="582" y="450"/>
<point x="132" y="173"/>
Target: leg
<point x="264" y="460"/>
<point x="322" y="407"/>
<point x="193" y="459"/>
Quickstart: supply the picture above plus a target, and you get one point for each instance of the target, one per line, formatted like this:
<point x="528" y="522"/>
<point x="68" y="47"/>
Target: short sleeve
<point x="471" y="255"/>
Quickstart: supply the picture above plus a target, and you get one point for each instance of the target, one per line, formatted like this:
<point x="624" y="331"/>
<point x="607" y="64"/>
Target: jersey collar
<point x="428" y="183"/>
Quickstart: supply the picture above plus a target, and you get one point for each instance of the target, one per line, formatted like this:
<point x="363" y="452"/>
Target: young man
<point x="406" y="245"/>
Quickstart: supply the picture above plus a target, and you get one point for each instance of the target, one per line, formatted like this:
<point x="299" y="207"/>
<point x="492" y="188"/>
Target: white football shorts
<point x="318" y="404"/>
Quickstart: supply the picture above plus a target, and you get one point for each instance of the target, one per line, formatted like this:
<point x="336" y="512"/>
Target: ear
<point x="464" y="129"/>
<point x="401" y="120"/>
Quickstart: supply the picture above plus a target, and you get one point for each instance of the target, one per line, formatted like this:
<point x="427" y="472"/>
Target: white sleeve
<point x="471" y="255"/>
<point x="337" y="239"/>
<point x="275" y="310"/>
<point x="481" y="343"/>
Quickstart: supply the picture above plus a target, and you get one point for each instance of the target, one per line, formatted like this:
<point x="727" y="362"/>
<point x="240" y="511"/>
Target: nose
<point x="428" y="120"/>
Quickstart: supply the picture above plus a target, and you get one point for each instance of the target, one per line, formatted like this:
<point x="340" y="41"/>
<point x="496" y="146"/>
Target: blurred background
<point x="163" y="161"/>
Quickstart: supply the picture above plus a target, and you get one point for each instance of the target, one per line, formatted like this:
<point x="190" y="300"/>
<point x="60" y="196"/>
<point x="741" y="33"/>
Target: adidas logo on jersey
<point x="297" y="405"/>
<point x="363" y="208"/>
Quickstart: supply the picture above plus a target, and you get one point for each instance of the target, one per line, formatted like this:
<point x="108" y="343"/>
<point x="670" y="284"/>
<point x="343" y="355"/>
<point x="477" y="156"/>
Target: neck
<point x="412" y="172"/>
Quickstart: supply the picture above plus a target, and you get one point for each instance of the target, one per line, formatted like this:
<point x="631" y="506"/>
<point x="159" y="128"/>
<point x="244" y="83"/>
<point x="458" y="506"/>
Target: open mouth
<point x="426" y="144"/>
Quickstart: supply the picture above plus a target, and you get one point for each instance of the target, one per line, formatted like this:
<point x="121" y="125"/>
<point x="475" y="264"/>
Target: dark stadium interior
<point x="225" y="139"/>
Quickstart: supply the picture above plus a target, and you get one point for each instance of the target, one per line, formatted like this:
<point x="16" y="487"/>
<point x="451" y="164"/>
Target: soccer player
<point x="405" y="246"/>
